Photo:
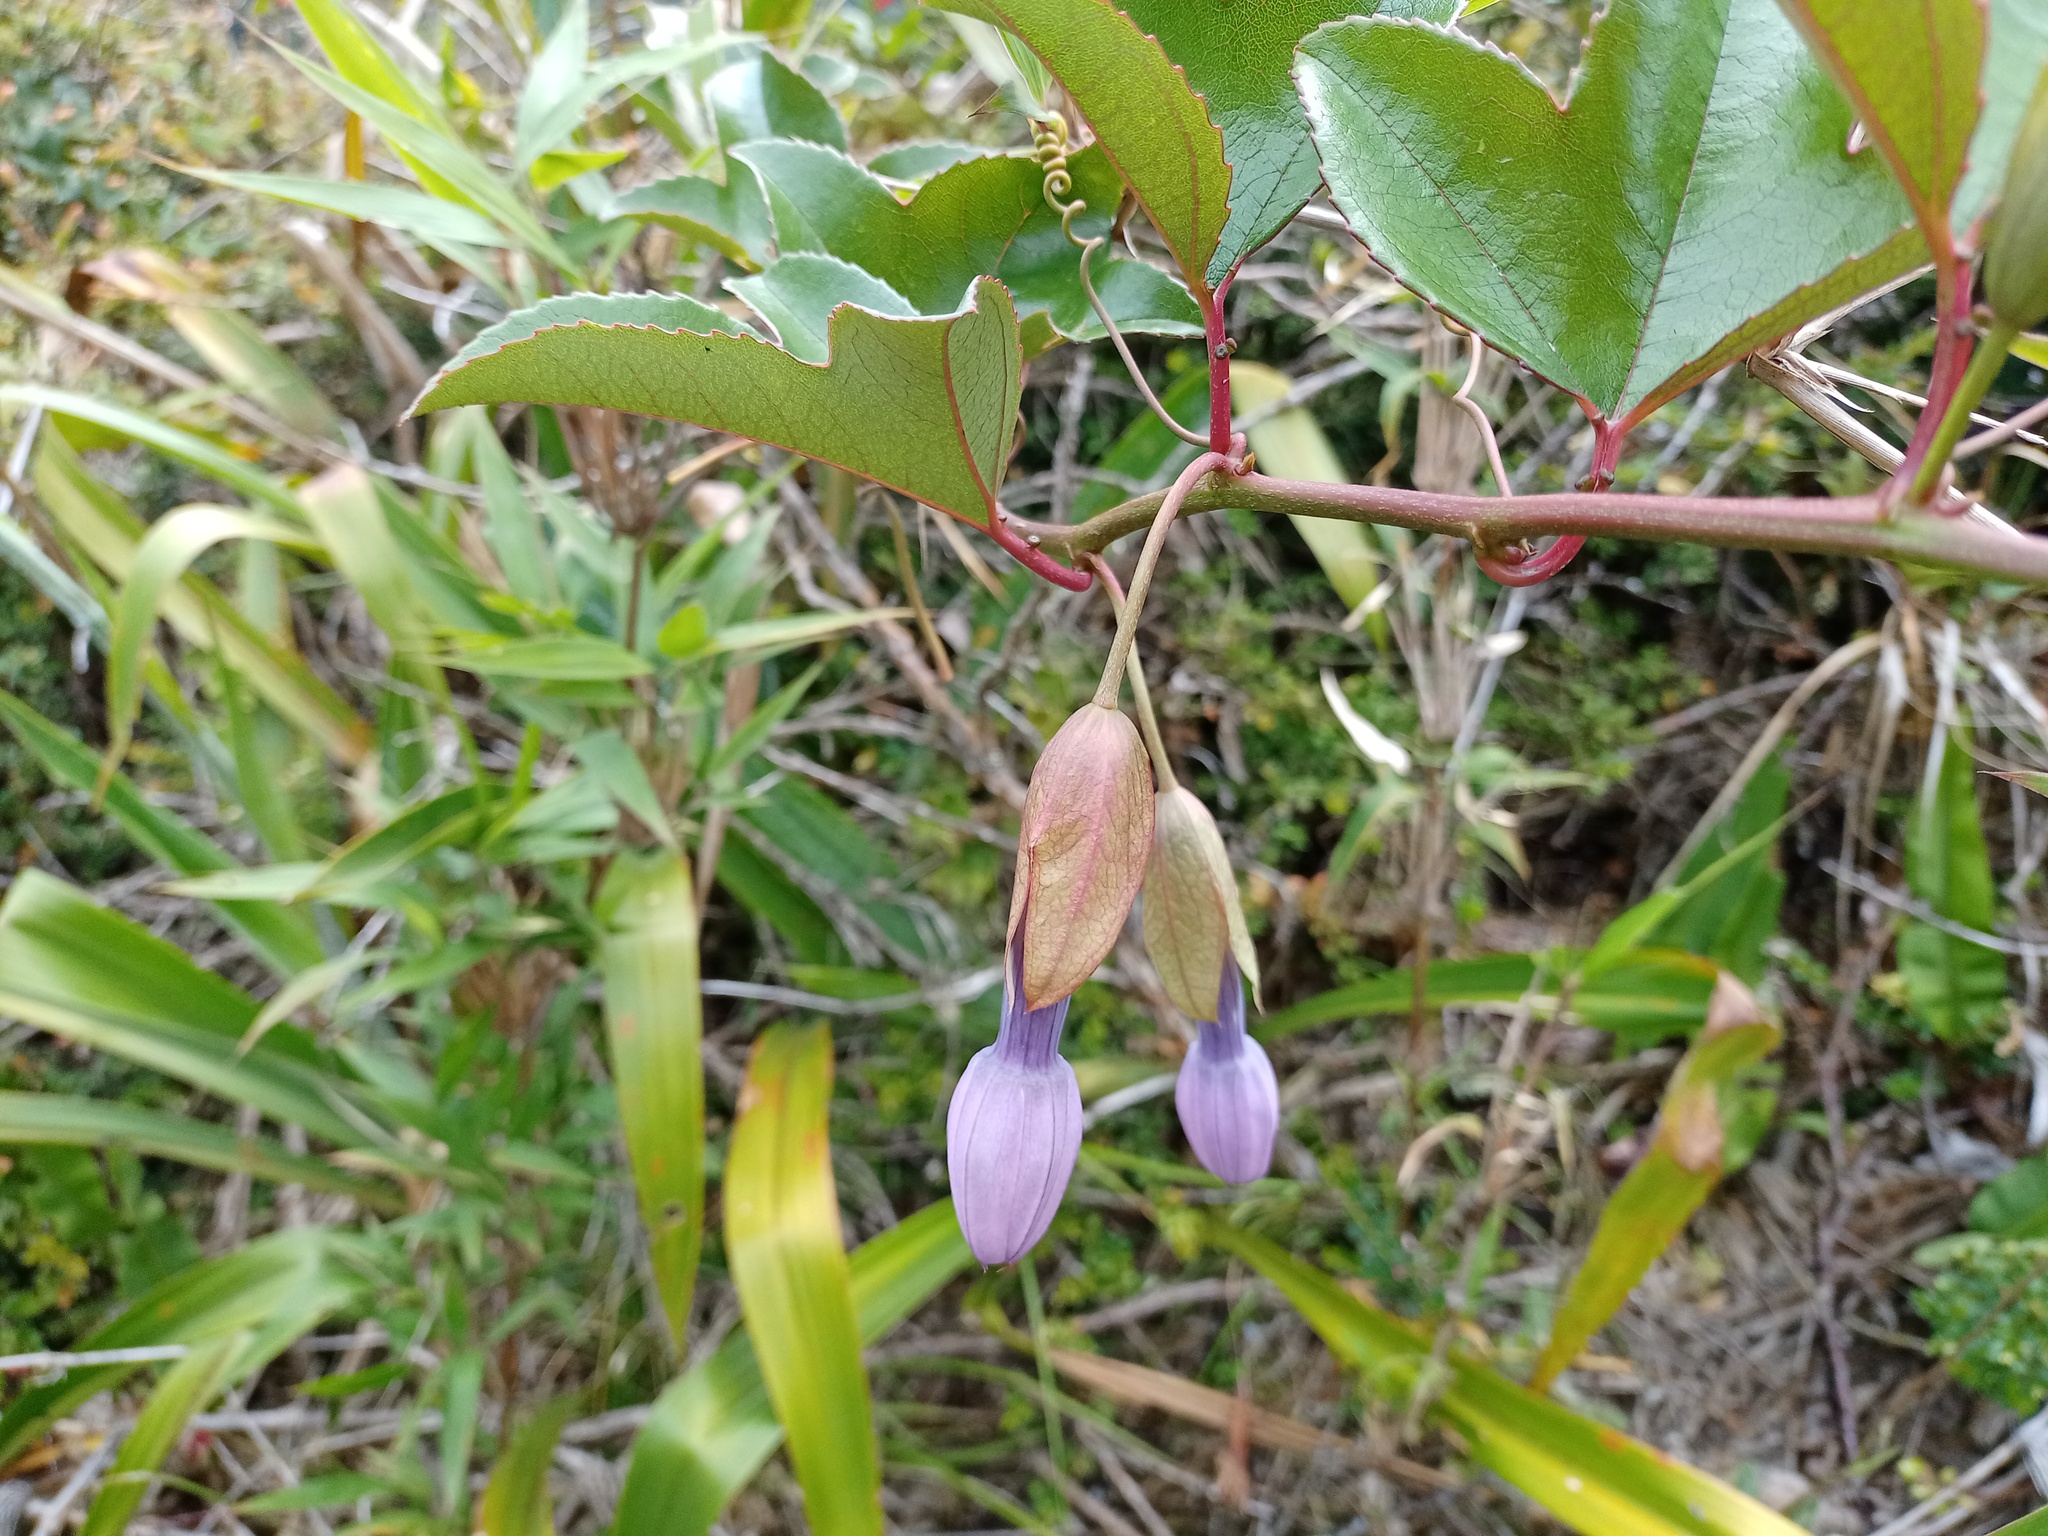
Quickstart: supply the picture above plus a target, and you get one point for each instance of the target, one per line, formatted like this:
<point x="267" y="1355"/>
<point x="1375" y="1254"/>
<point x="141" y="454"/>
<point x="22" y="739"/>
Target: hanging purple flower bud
<point x="1228" y="1097"/>
<point x="1013" y="1130"/>
<point x="1081" y="849"/>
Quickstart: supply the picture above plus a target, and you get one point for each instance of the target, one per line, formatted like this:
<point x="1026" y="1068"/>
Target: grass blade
<point x="714" y="1428"/>
<point x="185" y="1389"/>
<point x="516" y="1501"/>
<point x="1592" y="1477"/>
<point x="654" y="1022"/>
<point x="1661" y="1192"/>
<point x="782" y="1243"/>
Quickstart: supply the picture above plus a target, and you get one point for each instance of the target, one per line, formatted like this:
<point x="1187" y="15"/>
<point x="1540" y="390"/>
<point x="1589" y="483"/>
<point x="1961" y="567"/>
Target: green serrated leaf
<point x="922" y="406"/>
<point x="763" y="98"/>
<point x="1910" y="68"/>
<point x="1152" y="126"/>
<point x="984" y="216"/>
<point x="1240" y="58"/>
<point x="796" y="295"/>
<point x="730" y="216"/>
<point x="1694" y="201"/>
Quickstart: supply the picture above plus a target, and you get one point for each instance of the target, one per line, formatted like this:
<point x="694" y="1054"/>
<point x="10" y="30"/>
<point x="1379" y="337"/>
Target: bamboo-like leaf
<point x="516" y="1501"/>
<point x="275" y="1289"/>
<point x="97" y="521"/>
<point x="361" y="60"/>
<point x="770" y="637"/>
<point x="1958" y="987"/>
<point x="286" y="940"/>
<point x="783" y="1246"/>
<point x="55" y="1119"/>
<point x="1675" y="1176"/>
<point x="343" y="506"/>
<point x="173" y="542"/>
<point x="215" y="463"/>
<point x="654" y="1024"/>
<point x="1658" y="992"/>
<point x="435" y="220"/>
<point x="714" y="1428"/>
<point x="1591" y="1477"/>
<point x="1293" y="445"/>
<point x="462" y="1385"/>
<point x="186" y="1388"/>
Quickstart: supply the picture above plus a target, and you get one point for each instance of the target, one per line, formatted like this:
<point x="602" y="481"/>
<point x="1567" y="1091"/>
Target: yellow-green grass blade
<point x="714" y="1428"/>
<point x="56" y="1119"/>
<point x="783" y="1247"/>
<point x="185" y="1389"/>
<point x="163" y="557"/>
<point x="1657" y="1199"/>
<point x="1291" y="444"/>
<point x="100" y="524"/>
<point x="654" y="1023"/>
<point x="1591" y="1477"/>
<point x="284" y="939"/>
<point x="516" y="1501"/>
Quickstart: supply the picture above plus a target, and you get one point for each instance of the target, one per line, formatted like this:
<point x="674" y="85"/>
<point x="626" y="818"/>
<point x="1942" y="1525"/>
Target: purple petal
<point x="1227" y="1095"/>
<point x="1013" y="1130"/>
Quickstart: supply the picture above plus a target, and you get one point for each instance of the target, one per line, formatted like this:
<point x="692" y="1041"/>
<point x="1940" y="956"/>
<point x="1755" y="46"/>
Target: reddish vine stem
<point x="1952" y="343"/>
<point x="1220" y="350"/>
<point x="1847" y="525"/>
<point x="1533" y="568"/>
<point x="1031" y="557"/>
<point x="1141" y="574"/>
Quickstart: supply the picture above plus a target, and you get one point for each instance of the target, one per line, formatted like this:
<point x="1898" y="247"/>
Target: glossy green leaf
<point x="2035" y="1524"/>
<point x="285" y="940"/>
<point x="1152" y="126"/>
<point x="186" y="1387"/>
<point x="173" y="542"/>
<point x="53" y="1119"/>
<point x="1657" y="994"/>
<point x="2013" y="62"/>
<point x="1686" y="1159"/>
<point x="654" y="1023"/>
<point x="1589" y="1476"/>
<point x="984" y="216"/>
<point x="435" y="220"/>
<point x="516" y="1501"/>
<point x="797" y="294"/>
<point x="713" y="1429"/>
<point x="276" y="1288"/>
<point x="922" y="406"/>
<point x="783" y="1247"/>
<point x="1694" y="201"/>
<point x="763" y="98"/>
<point x="1910" y="69"/>
<point x="1957" y="987"/>
<point x="2015" y="1204"/>
<point x="1240" y="58"/>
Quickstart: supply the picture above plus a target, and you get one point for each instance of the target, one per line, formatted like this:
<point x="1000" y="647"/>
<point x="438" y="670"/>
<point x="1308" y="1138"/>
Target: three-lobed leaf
<point x="923" y="406"/>
<point x="1694" y="200"/>
<point x="985" y="216"/>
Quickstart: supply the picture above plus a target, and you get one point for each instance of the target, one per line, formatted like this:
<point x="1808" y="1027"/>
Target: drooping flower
<point x="1013" y="1130"/>
<point x="1227" y="1095"/>
<point x="1082" y="845"/>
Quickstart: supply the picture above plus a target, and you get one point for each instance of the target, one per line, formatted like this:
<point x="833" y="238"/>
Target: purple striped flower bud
<point x="1228" y="1097"/>
<point x="1013" y="1130"/>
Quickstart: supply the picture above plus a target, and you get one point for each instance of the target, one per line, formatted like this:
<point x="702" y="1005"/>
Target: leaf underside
<point x="1694" y="201"/>
<point x="923" y="406"/>
<point x="1239" y="58"/>
<point x="1152" y="126"/>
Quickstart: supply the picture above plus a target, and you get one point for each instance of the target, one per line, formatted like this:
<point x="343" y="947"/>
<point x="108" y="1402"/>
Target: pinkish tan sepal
<point x="1081" y="850"/>
<point x="1193" y="918"/>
